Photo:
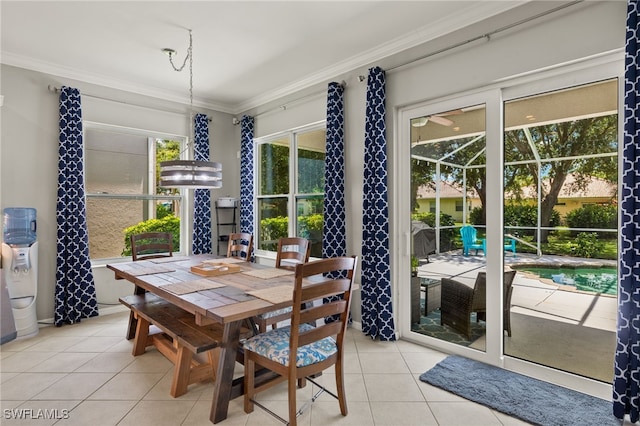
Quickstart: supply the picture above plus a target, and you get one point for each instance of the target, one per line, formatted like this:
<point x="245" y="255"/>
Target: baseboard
<point x="107" y="310"/>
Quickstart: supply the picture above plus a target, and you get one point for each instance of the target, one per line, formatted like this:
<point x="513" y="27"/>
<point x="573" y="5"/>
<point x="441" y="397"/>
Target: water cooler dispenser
<point x="20" y="267"/>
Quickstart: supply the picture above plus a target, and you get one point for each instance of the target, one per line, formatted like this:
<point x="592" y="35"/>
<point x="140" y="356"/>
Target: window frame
<point x="151" y="136"/>
<point x="566" y="75"/>
<point x="293" y="196"/>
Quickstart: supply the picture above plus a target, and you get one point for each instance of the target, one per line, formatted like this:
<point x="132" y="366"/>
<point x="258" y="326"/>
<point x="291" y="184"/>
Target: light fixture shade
<point x="190" y="174"/>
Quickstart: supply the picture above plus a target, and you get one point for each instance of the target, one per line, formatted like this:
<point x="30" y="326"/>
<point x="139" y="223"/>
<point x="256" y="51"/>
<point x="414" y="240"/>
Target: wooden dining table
<point x="228" y="299"/>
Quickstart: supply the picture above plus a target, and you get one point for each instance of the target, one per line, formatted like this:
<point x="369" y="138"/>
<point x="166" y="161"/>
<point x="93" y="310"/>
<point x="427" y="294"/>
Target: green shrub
<point x="274" y="228"/>
<point x="271" y="230"/>
<point x="526" y="215"/>
<point x="430" y="219"/>
<point x="476" y="216"/>
<point x="587" y="244"/>
<point x="594" y="216"/>
<point x="166" y="224"/>
<point x="163" y="210"/>
<point x="310" y="226"/>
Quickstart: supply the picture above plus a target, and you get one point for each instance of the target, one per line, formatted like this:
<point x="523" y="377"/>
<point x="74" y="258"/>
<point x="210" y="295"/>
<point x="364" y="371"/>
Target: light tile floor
<point x="86" y="373"/>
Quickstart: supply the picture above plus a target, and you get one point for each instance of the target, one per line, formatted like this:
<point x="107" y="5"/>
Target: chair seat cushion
<point x="276" y="313"/>
<point x="274" y="344"/>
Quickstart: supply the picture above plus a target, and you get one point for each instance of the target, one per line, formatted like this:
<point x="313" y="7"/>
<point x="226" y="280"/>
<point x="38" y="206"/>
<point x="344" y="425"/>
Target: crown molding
<point x="103" y="80"/>
<point x="466" y="16"/>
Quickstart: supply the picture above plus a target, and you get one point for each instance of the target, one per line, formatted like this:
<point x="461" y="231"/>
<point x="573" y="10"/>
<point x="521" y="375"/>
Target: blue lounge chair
<point x="510" y="245"/>
<point x="471" y="242"/>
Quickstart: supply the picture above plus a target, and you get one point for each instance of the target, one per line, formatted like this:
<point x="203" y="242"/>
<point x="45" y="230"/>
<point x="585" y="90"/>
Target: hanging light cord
<point x="184" y="63"/>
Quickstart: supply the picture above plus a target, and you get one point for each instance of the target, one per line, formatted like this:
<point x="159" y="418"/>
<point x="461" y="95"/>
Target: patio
<point x="552" y="324"/>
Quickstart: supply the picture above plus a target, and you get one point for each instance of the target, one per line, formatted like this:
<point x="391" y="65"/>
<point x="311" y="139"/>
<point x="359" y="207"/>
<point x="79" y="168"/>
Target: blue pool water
<point x="598" y="280"/>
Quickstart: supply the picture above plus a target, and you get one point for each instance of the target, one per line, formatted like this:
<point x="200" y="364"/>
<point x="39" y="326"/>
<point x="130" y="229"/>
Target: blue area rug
<point x="528" y="399"/>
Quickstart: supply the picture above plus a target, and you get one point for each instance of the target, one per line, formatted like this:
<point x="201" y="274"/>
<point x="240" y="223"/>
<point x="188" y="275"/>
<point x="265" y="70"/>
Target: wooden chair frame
<point x="151" y="245"/>
<point x="300" y="255"/>
<point x="144" y="246"/>
<point x="304" y="312"/>
<point x="240" y="246"/>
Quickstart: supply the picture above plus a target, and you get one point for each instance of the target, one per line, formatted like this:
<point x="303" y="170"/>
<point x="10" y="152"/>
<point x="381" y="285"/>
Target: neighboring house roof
<point x="447" y="190"/>
<point x="596" y="188"/>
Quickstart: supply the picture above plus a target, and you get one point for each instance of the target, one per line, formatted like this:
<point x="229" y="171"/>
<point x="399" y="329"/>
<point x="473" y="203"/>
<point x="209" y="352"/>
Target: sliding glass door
<point x="446" y="163"/>
<point x="560" y="217"/>
<point x="507" y="207"/>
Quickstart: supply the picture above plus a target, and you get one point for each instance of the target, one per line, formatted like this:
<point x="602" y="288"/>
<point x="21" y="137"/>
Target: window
<point x="121" y="185"/>
<point x="459" y="206"/>
<point x="290" y="190"/>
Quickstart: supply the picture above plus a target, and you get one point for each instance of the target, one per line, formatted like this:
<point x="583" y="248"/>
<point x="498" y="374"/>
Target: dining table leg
<point x="224" y="374"/>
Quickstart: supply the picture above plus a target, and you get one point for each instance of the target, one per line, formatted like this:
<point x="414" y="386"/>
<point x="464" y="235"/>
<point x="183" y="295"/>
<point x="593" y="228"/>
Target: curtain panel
<point x="334" y="230"/>
<point x="201" y="196"/>
<point x="377" y="312"/>
<point x="246" y="175"/>
<point x="626" y="381"/>
<point x="334" y="238"/>
<point x="75" y="293"/>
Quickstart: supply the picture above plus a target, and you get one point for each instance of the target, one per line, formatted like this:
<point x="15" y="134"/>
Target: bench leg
<point x="142" y="336"/>
<point x="131" y="331"/>
<point x="214" y="358"/>
<point x="181" y="371"/>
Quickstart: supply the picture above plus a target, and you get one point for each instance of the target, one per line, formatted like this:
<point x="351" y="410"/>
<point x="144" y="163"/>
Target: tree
<point x="566" y="144"/>
<point x="422" y="173"/>
<point x="166" y="150"/>
<point x="458" y="154"/>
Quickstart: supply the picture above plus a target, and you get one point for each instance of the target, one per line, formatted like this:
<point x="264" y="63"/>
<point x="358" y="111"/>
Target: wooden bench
<point x="178" y="340"/>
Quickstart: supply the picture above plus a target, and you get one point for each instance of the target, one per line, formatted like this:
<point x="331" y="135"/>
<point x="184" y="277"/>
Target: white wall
<point x="577" y="32"/>
<point x="30" y="127"/>
<point x="29" y="146"/>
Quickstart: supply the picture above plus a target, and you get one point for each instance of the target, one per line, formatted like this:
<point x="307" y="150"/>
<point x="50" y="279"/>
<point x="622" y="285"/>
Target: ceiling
<point x="245" y="54"/>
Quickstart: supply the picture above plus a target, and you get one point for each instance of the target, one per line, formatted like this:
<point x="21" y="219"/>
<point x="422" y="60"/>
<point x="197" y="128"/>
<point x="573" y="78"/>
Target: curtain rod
<point x="487" y="36"/>
<point x="54" y="89"/>
<point x="483" y="36"/>
<point x="284" y="106"/>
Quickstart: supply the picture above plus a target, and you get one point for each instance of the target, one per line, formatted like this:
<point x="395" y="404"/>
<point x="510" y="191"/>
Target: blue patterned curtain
<point x="75" y="293"/>
<point x="626" y="382"/>
<point x="201" y="196"/>
<point x="334" y="232"/>
<point x="246" y="174"/>
<point x="377" y="312"/>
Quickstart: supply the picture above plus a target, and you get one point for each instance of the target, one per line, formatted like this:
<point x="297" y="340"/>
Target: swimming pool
<point x="598" y="280"/>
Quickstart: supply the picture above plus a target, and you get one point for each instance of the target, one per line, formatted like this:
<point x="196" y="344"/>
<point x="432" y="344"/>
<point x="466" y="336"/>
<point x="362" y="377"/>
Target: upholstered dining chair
<point x="301" y="350"/>
<point x="144" y="246"/>
<point x="291" y="251"/>
<point x="240" y="246"/>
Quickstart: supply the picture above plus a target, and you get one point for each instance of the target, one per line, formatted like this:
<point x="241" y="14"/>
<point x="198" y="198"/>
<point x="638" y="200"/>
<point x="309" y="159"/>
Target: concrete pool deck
<point x="553" y="324"/>
<point x="532" y="295"/>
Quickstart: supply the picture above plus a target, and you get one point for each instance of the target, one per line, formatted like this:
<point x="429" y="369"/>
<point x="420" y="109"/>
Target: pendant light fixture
<point x="189" y="173"/>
